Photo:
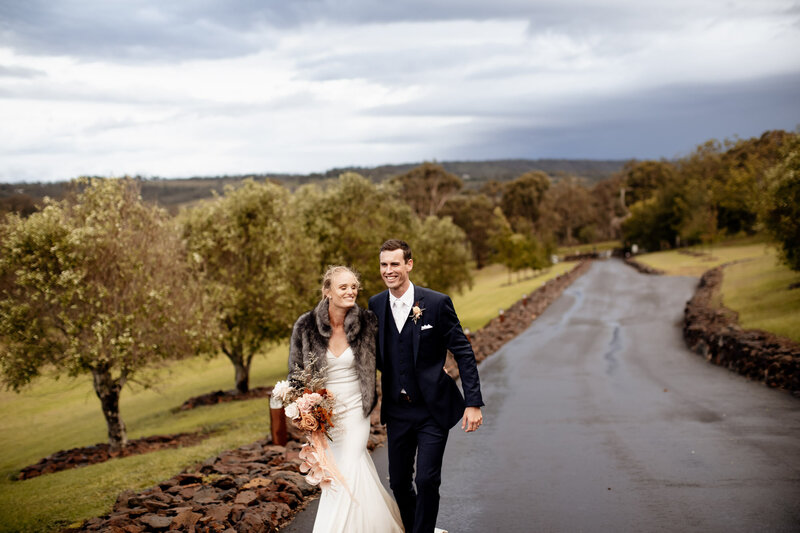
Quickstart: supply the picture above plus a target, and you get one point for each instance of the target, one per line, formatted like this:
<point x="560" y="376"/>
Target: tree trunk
<point x="242" y="376"/>
<point x="108" y="389"/>
<point x="241" y="365"/>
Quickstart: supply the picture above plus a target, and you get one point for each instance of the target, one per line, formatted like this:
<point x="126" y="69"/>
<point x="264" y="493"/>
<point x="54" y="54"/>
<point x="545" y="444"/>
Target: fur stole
<point x="310" y="337"/>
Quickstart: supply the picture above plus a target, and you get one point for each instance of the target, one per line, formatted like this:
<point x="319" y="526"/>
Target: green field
<point x="584" y="248"/>
<point x="759" y="291"/>
<point x="757" y="287"/>
<point x="53" y="415"/>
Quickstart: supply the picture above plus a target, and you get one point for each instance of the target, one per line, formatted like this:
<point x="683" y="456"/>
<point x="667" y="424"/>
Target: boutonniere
<point x="416" y="312"/>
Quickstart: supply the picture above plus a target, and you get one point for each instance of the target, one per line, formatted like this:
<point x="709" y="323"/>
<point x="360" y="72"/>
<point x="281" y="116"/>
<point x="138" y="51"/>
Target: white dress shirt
<point x="401" y="307"/>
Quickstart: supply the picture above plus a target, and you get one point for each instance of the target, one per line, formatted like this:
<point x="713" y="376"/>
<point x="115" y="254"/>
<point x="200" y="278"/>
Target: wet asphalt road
<point x="598" y="418"/>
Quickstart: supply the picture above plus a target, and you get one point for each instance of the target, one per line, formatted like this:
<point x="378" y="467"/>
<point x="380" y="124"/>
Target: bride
<point x="338" y="339"/>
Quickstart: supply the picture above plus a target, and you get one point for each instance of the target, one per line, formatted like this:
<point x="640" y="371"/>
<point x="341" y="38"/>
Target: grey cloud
<point x="394" y="67"/>
<point x="668" y="122"/>
<point x="131" y="31"/>
<point x="19" y="72"/>
<point x="149" y="30"/>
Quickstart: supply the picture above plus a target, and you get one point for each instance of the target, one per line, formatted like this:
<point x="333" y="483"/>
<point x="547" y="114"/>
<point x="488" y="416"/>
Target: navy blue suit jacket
<point x="436" y="331"/>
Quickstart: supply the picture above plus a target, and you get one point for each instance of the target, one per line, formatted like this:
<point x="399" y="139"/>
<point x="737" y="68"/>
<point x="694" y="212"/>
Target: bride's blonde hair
<point x="333" y="270"/>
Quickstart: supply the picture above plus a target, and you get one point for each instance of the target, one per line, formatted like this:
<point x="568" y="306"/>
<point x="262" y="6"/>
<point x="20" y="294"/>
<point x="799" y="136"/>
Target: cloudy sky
<point x="207" y="87"/>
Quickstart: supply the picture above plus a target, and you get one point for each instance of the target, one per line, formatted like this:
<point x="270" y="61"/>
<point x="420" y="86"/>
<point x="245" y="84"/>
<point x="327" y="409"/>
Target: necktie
<point x="399" y="312"/>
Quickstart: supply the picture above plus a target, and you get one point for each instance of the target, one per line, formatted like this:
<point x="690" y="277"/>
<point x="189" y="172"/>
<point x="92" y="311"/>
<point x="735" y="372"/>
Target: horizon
<point x="351" y="168"/>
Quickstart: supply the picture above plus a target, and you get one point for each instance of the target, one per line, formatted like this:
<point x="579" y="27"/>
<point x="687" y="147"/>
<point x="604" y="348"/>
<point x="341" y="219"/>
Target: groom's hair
<point x="396" y="244"/>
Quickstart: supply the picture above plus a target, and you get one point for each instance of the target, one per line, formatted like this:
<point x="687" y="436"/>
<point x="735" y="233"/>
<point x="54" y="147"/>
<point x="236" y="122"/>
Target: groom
<point x="416" y="327"/>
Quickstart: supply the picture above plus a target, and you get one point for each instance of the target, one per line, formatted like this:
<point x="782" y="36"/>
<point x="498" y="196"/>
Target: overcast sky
<point x="208" y="87"/>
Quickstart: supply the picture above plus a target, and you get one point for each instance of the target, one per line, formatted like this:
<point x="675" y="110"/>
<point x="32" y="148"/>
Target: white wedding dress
<point x="370" y="509"/>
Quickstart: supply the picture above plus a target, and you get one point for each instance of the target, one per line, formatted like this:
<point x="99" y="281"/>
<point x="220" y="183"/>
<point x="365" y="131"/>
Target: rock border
<point x="253" y="489"/>
<point x="641" y="267"/>
<point x="715" y="334"/>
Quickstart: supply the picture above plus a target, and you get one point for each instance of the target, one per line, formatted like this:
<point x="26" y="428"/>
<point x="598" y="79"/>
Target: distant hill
<point x="173" y="193"/>
<point x="592" y="170"/>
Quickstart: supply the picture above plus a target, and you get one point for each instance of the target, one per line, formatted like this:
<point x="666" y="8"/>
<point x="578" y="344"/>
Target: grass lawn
<point x="759" y="291"/>
<point x="59" y="414"/>
<point x="583" y="248"/>
<point x="757" y="288"/>
<point x="492" y="292"/>
<point x="678" y="263"/>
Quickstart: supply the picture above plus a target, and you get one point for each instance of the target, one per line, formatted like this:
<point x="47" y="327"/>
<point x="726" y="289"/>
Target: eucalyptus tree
<point x="781" y="205"/>
<point x="473" y="214"/>
<point x="443" y="258"/>
<point x="427" y="187"/>
<point x="98" y="283"/>
<point x="522" y="198"/>
<point x="349" y="218"/>
<point x="260" y="267"/>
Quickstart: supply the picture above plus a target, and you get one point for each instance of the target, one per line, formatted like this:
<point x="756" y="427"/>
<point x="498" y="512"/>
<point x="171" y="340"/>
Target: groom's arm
<point x="459" y="345"/>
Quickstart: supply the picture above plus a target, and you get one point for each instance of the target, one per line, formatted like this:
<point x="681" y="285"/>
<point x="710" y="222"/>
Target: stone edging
<point x="641" y="267"/>
<point x="715" y="334"/>
<point x="254" y="488"/>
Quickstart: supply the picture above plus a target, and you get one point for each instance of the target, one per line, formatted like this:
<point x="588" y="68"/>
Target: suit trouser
<point x="412" y="432"/>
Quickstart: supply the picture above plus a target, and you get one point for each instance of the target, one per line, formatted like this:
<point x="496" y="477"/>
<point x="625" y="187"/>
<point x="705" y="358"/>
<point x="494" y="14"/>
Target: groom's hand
<point x="472" y="419"/>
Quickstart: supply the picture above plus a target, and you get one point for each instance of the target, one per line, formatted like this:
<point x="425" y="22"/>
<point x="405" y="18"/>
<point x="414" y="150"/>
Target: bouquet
<point x="310" y="405"/>
<point x="309" y="409"/>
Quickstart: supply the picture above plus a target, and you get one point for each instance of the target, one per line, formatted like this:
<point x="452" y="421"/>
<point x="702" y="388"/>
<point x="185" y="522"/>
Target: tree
<point x="473" y="214"/>
<point x="523" y="196"/>
<point x="610" y="212"/>
<point x="653" y="223"/>
<point x="501" y="237"/>
<point x="781" y="210"/>
<point x="567" y="207"/>
<point x="641" y="179"/>
<point x="348" y="220"/>
<point x="745" y="164"/>
<point x="96" y="284"/>
<point x="427" y="187"/>
<point x="443" y="260"/>
<point x="260" y="267"/>
<point x="352" y="217"/>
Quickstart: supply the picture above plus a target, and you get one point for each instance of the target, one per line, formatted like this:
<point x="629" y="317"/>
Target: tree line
<point x="105" y="284"/>
<point x="719" y="190"/>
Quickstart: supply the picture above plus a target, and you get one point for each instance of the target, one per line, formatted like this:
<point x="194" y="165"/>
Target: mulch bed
<point x="220" y="396"/>
<point x="99" y="453"/>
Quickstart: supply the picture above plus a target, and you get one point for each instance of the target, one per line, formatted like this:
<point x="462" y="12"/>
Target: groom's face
<point x="394" y="270"/>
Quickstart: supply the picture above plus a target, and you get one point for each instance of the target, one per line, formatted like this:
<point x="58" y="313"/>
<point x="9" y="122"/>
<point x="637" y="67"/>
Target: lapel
<point x="417" y="328"/>
<point x="380" y="312"/>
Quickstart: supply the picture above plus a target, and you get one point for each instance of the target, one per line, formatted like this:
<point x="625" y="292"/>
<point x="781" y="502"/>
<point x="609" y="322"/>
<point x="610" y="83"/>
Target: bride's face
<point x="343" y="291"/>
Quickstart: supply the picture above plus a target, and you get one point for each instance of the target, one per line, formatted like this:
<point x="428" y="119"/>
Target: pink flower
<point x="307" y="401"/>
<point x="315" y="473"/>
